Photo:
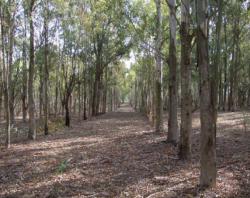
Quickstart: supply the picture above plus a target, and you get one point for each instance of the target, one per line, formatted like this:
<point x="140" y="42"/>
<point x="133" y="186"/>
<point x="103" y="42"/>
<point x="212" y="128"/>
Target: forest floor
<point x="119" y="155"/>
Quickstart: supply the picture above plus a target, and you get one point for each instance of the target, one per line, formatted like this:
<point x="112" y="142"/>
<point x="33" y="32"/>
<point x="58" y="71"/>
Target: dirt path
<point x="116" y="155"/>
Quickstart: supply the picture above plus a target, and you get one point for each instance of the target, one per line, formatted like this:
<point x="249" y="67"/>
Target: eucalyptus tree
<point x="110" y="41"/>
<point x="140" y="15"/>
<point x="186" y="94"/>
<point x="5" y="71"/>
<point x="158" y="76"/>
<point x="235" y="53"/>
<point x="8" y="23"/>
<point x="69" y="57"/>
<point x="10" y="20"/>
<point x="208" y="123"/>
<point x="24" y="67"/>
<point x="216" y="66"/>
<point x="172" y="120"/>
<point x="225" y="68"/>
<point x="46" y="70"/>
<point x="31" y="103"/>
<point x="217" y="81"/>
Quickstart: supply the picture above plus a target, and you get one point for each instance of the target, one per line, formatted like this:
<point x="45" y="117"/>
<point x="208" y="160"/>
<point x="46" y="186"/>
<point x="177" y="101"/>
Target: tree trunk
<point x="41" y="91"/>
<point x="95" y="102"/>
<point x="173" y="134"/>
<point x="46" y="70"/>
<point x="1" y="92"/>
<point x="220" y="91"/>
<point x="56" y="99"/>
<point x="11" y="83"/>
<point x="85" y="95"/>
<point x="79" y="100"/>
<point x="99" y="93"/>
<point x="31" y="105"/>
<point x="57" y="110"/>
<point x="67" y="113"/>
<point x="158" y="80"/>
<point x="248" y="98"/>
<point x="136" y="95"/>
<point x="90" y="92"/>
<point x="5" y="80"/>
<point x="104" y="107"/>
<point x="232" y="100"/>
<point x="225" y="67"/>
<point x="236" y="62"/>
<point x="79" y="92"/>
<point x="25" y="77"/>
<point x="217" y="62"/>
<point x="186" y="94"/>
<point x="7" y="109"/>
<point x="208" y="123"/>
<point x="111" y="99"/>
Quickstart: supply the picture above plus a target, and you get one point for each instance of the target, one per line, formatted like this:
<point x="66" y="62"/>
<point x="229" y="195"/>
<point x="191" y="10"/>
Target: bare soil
<point x="119" y="155"/>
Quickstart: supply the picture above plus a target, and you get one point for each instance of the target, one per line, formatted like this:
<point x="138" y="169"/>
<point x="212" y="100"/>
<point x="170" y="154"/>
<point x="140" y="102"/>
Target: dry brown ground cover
<point x="119" y="155"/>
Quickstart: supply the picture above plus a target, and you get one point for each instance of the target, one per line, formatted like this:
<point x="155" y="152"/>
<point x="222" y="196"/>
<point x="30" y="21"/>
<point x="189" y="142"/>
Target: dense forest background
<point x="173" y="61"/>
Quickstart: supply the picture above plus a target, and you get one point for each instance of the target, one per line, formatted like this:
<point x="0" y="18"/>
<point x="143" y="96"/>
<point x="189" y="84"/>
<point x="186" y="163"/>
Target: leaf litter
<point x="119" y="155"/>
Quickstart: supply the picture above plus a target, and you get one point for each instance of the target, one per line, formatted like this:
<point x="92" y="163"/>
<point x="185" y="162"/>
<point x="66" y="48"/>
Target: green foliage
<point x="62" y="166"/>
